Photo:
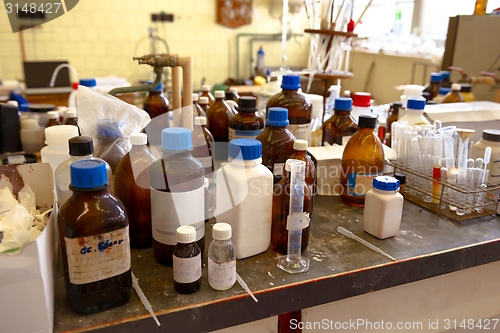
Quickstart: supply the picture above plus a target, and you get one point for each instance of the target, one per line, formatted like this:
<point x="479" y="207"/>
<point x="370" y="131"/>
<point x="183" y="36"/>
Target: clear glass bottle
<point x="298" y="105"/>
<point x="341" y="125"/>
<point x="454" y="96"/>
<point x="205" y="92"/>
<point x="362" y="160"/>
<point x="177" y="193"/>
<point x="94" y="241"/>
<point x="80" y="148"/>
<point x="218" y="116"/>
<point x="281" y="209"/>
<point x="186" y="261"/>
<point x="246" y="123"/>
<point x="131" y="186"/>
<point x="277" y="142"/>
<point x="432" y="89"/>
<point x="221" y="258"/>
<point x="203" y="145"/>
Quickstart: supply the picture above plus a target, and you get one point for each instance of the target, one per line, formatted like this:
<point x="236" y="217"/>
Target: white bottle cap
<point x="456" y="86"/>
<point x="137" y="139"/>
<point x="16" y="159"/>
<point x="221" y="231"/>
<point x="203" y="100"/>
<point x="59" y="135"/>
<point x="205" y="87"/>
<point x="186" y="234"/>
<point x="53" y="115"/>
<point x="70" y="108"/>
<point x="200" y="120"/>
<point x="220" y="94"/>
<point x="233" y="90"/>
<point x="195" y="97"/>
<point x="71" y="113"/>
<point x="13" y="103"/>
<point x="300" y="144"/>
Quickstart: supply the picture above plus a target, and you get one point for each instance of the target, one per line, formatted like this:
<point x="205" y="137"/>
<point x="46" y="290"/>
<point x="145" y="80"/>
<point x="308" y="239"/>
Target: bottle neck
<point x="97" y="191"/>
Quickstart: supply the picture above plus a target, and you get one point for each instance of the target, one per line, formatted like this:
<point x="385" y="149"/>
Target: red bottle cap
<point x="350" y="26"/>
<point x="361" y="99"/>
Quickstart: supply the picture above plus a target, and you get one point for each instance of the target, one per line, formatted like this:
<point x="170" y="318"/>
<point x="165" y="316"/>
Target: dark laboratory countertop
<point x="427" y="245"/>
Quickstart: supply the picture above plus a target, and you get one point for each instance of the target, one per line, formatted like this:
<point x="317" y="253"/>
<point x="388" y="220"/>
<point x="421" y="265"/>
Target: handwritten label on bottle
<point x="221" y="276"/>
<point x="187" y="270"/>
<point x="170" y="210"/>
<point x="98" y="257"/>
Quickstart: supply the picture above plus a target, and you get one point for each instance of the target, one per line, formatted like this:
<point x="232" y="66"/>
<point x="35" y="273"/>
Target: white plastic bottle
<point x="383" y="208"/>
<point x="415" y="112"/>
<point x="244" y="196"/>
<point x="73" y="96"/>
<point x="56" y="138"/>
<point x="221" y="258"/>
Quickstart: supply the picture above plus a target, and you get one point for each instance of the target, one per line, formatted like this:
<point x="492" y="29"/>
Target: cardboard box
<point x="27" y="278"/>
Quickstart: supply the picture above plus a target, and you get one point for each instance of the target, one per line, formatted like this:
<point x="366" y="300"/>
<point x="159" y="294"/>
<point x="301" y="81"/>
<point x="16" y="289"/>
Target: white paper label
<point x="170" y="210"/>
<point x="278" y="169"/>
<point x="187" y="270"/>
<point x="98" y="257"/>
<point x="221" y="276"/>
<point x="301" y="131"/>
<point x="304" y="223"/>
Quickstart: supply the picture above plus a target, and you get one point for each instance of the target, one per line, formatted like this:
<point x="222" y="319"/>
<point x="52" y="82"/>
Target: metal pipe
<point x="187" y="95"/>
<point x="142" y="87"/>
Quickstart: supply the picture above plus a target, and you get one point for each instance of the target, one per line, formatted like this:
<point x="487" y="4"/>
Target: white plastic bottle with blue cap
<point x="383" y="208"/>
<point x="177" y="193"/>
<point x="244" y="197"/>
<point x="415" y="112"/>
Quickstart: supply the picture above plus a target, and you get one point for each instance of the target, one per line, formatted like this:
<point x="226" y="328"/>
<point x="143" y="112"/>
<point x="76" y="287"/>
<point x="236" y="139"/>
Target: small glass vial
<point x="198" y="111"/>
<point x="341" y="126"/>
<point x="205" y="92"/>
<point x="300" y="153"/>
<point x="383" y="208"/>
<point x="454" y="96"/>
<point x="221" y="258"/>
<point x="186" y="261"/>
<point x="246" y="123"/>
<point x="72" y="118"/>
<point x="53" y="119"/>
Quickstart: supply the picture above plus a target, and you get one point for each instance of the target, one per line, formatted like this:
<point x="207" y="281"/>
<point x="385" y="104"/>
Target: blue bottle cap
<point x="385" y="183"/>
<point x="436" y="77"/>
<point x="290" y="82"/>
<point x="176" y="138"/>
<point x="24" y="107"/>
<point x="445" y="74"/>
<point x="343" y="104"/>
<point x="277" y="117"/>
<point x="88" y="174"/>
<point x="416" y="103"/>
<point x="444" y="91"/>
<point x="245" y="149"/>
<point x="88" y="82"/>
<point x="159" y="87"/>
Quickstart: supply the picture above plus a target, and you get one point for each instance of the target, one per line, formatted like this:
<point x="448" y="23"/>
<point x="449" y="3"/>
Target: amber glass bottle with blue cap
<point x="94" y="239"/>
<point x="340" y="126"/>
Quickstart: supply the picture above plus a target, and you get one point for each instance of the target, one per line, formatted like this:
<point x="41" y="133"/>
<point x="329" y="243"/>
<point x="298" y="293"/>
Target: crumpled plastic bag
<point x="109" y="121"/>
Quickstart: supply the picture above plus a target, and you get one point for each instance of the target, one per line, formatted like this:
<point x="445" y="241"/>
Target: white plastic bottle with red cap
<point x="361" y="104"/>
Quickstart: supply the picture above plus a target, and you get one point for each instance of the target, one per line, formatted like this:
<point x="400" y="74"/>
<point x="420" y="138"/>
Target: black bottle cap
<point x="396" y="106"/>
<point x="401" y="177"/>
<point x="41" y="107"/>
<point x="247" y="104"/>
<point x="367" y="121"/>
<point x="81" y="146"/>
<point x="491" y="135"/>
<point x="229" y="96"/>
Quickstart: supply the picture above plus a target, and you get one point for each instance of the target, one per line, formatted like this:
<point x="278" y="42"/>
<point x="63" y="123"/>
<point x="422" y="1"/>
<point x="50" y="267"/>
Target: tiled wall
<point x="99" y="38"/>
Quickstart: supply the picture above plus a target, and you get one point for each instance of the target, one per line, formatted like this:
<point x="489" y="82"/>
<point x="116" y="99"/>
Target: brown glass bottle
<point x="341" y="125"/>
<point x="454" y="96"/>
<point x="53" y="119"/>
<point x="187" y="261"/>
<point x="218" y="117"/>
<point x="300" y="153"/>
<point x="298" y="105"/>
<point x="198" y="111"/>
<point x="432" y="89"/>
<point x="362" y="160"/>
<point x="205" y="92"/>
<point x="72" y="118"/>
<point x="94" y="240"/>
<point x="246" y="123"/>
<point x="131" y="186"/>
<point x="157" y="106"/>
<point x="393" y="116"/>
<point x="203" y="102"/>
<point x="236" y="95"/>
<point x="445" y="83"/>
<point x="203" y="145"/>
<point x="281" y="209"/>
<point x="277" y="142"/>
<point x="176" y="180"/>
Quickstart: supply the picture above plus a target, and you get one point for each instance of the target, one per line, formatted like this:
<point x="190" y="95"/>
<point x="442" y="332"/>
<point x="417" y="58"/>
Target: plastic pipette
<point x="349" y="234"/>
<point x="480" y="199"/>
<point x="144" y="299"/>
<point x="245" y="287"/>
<point x="293" y="262"/>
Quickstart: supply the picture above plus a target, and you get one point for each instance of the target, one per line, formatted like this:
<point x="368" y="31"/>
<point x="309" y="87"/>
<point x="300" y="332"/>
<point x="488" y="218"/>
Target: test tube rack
<point x="440" y="204"/>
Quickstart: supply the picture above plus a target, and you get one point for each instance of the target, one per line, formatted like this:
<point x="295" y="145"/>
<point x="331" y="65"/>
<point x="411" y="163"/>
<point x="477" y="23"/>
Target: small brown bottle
<point x="204" y="103"/>
<point x="94" y="240"/>
<point x="280" y="213"/>
<point x="300" y="153"/>
<point x="341" y="125"/>
<point x="362" y="160"/>
<point x="454" y="96"/>
<point x="218" y="117"/>
<point x="246" y="123"/>
<point x="393" y="116"/>
<point x="53" y="119"/>
<point x="203" y="145"/>
<point x="72" y="118"/>
<point x="205" y="92"/>
<point x="277" y="142"/>
<point x="157" y="106"/>
<point x="298" y="105"/>
<point x="197" y="109"/>
<point x="445" y="83"/>
<point x="186" y="261"/>
<point x="431" y="90"/>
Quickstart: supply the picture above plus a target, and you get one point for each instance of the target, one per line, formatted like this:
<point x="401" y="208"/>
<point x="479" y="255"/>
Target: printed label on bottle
<point x="304" y="223"/>
<point x="245" y="134"/>
<point x="206" y="161"/>
<point x="221" y="276"/>
<point x="301" y="131"/>
<point x="170" y="210"/>
<point x="358" y="184"/>
<point x="187" y="270"/>
<point x="98" y="257"/>
<point x="345" y="139"/>
<point x="278" y="169"/>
